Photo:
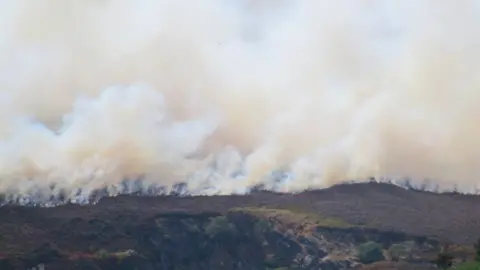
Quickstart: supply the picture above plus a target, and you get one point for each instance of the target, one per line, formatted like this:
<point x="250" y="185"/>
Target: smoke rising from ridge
<point x="224" y="94"/>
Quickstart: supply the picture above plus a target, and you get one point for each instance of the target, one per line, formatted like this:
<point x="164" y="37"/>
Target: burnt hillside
<point x="333" y="220"/>
<point x="449" y="216"/>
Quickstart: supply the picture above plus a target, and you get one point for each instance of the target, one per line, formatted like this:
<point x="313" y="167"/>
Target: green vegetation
<point x="370" y="252"/>
<point x="444" y="260"/>
<point x="293" y="217"/>
<point x="397" y="252"/>
<point x="262" y="226"/>
<point x="124" y="254"/>
<point x="219" y="225"/>
<point x="468" y="266"/>
<point x="477" y="250"/>
<point x="401" y="250"/>
<point x="102" y="254"/>
<point x="190" y="225"/>
<point x="272" y="263"/>
<point x="472" y="265"/>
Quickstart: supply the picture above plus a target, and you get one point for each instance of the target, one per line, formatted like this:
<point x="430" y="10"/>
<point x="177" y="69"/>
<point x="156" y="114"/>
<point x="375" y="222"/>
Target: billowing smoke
<point x="224" y="95"/>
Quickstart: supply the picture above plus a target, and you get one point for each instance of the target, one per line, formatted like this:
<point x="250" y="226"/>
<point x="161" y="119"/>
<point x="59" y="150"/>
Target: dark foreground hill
<point x="320" y="229"/>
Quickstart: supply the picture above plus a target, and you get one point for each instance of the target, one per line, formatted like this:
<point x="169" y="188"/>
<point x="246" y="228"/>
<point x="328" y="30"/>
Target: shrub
<point x="219" y="225"/>
<point x="370" y="252"/>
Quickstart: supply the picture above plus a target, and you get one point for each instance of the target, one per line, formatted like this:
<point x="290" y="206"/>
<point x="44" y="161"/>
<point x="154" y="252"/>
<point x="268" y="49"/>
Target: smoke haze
<point x="224" y="95"/>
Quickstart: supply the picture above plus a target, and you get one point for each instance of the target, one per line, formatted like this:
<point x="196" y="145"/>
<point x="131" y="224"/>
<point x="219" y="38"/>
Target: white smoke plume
<point x="224" y="95"/>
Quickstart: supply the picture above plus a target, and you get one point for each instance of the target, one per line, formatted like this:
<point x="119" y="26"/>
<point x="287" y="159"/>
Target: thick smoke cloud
<point x="224" y="95"/>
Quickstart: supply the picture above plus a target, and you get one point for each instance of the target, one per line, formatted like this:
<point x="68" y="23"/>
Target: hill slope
<point x="255" y="231"/>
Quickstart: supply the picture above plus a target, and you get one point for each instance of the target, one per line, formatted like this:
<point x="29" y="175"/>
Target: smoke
<point x="225" y="95"/>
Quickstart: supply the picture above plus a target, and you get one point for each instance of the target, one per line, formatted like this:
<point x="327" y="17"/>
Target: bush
<point x="219" y="225"/>
<point x="370" y="252"/>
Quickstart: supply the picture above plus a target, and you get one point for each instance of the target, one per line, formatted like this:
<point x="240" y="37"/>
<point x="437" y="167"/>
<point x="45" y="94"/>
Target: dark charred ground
<point x="311" y="230"/>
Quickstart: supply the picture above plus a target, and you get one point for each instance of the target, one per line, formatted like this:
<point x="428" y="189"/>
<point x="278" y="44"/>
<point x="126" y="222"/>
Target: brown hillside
<point x="450" y="217"/>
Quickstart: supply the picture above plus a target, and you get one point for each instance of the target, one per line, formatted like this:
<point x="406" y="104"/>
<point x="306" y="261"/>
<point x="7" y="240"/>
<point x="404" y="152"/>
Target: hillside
<point x="311" y="230"/>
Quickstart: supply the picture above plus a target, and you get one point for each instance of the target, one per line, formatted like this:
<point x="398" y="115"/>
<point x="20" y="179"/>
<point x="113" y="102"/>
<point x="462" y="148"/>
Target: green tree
<point x="370" y="252"/>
